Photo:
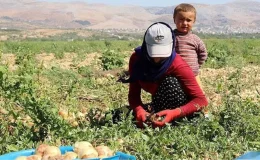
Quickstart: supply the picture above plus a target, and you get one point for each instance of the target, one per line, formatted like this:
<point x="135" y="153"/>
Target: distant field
<point x="58" y="92"/>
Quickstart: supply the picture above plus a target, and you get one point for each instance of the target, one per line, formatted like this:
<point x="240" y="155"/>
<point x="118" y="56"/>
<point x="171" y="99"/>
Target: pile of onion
<point x="82" y="150"/>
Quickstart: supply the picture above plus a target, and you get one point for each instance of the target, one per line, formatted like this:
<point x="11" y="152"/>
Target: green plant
<point x="85" y="71"/>
<point x="38" y="92"/>
<point x="218" y="55"/>
<point x="111" y="59"/>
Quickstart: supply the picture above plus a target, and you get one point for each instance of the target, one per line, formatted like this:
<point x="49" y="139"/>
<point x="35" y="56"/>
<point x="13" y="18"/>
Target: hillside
<point x="238" y="16"/>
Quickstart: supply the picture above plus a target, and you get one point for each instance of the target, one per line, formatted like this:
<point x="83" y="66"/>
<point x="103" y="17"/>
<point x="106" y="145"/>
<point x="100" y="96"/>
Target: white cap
<point x="159" y="40"/>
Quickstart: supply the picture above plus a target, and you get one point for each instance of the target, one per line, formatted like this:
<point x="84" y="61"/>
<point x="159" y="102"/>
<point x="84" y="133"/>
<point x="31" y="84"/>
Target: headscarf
<point x="145" y="69"/>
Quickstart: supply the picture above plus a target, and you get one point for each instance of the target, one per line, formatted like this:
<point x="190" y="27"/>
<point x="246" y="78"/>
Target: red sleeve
<point x="184" y="74"/>
<point x="134" y="94"/>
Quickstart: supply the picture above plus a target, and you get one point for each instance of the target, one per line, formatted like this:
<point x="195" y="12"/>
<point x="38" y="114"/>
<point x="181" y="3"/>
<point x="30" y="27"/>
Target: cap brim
<point x="159" y="50"/>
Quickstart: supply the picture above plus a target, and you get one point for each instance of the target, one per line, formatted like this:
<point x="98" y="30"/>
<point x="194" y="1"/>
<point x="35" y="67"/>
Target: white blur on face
<point x="184" y="21"/>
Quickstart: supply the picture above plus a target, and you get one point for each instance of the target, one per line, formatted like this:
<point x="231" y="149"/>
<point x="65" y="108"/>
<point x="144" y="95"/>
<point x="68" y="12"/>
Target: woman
<point x="156" y="68"/>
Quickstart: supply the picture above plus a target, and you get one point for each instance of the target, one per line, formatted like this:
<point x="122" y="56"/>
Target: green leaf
<point x="12" y="147"/>
<point x="145" y="137"/>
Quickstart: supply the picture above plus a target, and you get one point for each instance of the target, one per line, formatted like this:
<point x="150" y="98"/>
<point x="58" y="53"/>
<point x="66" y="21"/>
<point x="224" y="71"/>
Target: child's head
<point x="184" y="17"/>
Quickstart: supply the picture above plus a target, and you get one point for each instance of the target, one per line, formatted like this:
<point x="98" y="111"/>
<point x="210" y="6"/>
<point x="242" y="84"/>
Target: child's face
<point x="184" y="21"/>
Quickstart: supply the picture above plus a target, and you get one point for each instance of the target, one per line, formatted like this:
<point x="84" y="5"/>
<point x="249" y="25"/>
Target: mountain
<point x="238" y="16"/>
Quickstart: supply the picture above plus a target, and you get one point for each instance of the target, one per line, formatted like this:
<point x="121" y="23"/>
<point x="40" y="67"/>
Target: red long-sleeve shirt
<point x="183" y="73"/>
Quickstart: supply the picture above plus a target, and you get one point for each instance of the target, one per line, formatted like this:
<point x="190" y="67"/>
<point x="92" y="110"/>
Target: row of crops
<point x="44" y="102"/>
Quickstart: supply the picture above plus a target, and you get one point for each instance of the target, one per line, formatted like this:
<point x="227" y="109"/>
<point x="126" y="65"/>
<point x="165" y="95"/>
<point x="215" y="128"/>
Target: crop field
<point x="60" y="92"/>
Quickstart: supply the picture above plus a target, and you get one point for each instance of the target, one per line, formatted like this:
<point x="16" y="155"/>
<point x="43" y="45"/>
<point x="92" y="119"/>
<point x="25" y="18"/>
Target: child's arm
<point x="201" y="51"/>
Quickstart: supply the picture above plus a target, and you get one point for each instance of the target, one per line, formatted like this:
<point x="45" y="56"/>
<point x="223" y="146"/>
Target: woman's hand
<point x="169" y="114"/>
<point x="140" y="116"/>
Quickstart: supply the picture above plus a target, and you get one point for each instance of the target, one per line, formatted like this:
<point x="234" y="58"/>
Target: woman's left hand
<point x="169" y="114"/>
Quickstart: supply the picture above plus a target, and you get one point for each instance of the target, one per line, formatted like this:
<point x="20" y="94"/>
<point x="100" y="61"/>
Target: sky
<point x="150" y="2"/>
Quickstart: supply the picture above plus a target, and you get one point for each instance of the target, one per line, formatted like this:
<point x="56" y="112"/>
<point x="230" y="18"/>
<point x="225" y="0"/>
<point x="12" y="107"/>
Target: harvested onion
<point x="88" y="152"/>
<point x="104" y="151"/>
<point x="52" y="151"/>
<point x="41" y="148"/>
<point x="80" y="145"/>
<point x="70" y="156"/>
<point x="21" y="158"/>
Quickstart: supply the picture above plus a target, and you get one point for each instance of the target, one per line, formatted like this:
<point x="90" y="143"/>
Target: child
<point x="190" y="47"/>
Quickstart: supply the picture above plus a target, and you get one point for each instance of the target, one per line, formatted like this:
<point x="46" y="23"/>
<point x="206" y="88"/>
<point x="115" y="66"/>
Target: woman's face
<point x="157" y="60"/>
<point x="184" y="21"/>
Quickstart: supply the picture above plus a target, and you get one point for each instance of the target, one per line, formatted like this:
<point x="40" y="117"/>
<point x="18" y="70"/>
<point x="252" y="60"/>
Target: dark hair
<point x="184" y="7"/>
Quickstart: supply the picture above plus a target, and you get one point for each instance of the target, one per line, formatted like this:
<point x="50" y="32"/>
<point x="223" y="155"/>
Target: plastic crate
<point x="13" y="155"/>
<point x="252" y="155"/>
